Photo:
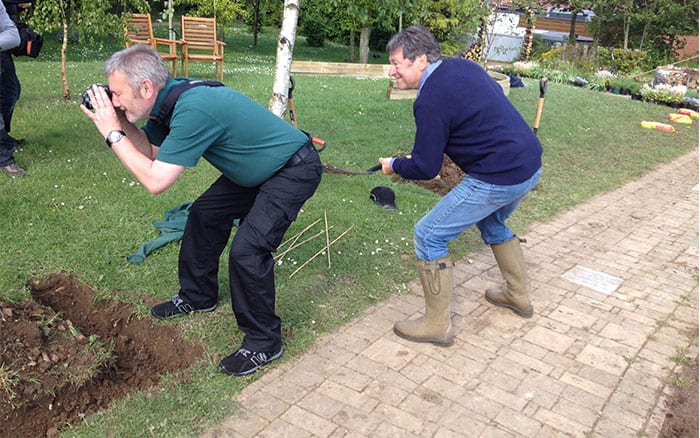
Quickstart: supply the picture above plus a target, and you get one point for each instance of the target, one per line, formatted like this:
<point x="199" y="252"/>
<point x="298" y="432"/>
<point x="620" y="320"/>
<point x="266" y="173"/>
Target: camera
<point x="86" y="96"/>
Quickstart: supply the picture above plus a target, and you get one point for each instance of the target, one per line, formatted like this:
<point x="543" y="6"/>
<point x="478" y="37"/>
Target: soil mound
<point x="67" y="355"/>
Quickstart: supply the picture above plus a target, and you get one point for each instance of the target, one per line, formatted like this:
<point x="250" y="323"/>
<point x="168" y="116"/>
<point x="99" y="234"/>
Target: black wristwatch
<point x="114" y="136"/>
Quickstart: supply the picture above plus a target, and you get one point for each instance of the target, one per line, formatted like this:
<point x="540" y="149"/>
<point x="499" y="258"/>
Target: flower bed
<point x="677" y="96"/>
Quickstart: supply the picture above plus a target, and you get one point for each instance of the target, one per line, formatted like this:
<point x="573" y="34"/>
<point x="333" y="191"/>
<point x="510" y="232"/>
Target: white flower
<point x="524" y="66"/>
<point x="679" y="89"/>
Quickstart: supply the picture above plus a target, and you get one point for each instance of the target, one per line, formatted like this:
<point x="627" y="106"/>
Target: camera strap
<point x="166" y="109"/>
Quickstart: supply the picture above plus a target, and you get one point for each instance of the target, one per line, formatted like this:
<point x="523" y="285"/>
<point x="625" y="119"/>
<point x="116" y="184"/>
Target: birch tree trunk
<point x="285" y="50"/>
<point x="171" y="31"/>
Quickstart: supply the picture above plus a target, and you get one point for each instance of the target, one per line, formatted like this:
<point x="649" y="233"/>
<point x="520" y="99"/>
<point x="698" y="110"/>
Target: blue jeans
<point x="470" y="202"/>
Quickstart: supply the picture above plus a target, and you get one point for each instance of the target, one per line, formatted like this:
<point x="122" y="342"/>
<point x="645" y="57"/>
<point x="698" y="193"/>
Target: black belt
<point x="299" y="155"/>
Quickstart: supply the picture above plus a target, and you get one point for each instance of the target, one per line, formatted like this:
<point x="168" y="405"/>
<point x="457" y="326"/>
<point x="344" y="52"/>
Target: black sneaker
<point x="13" y="170"/>
<point x="244" y="362"/>
<point x="18" y="141"/>
<point x="176" y="307"/>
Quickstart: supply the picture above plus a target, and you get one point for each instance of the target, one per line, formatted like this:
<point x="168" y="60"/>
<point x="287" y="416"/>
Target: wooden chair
<point x="139" y="29"/>
<point x="199" y="44"/>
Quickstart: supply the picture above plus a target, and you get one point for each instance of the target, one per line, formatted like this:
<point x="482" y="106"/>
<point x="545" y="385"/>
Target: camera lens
<point x="86" y="96"/>
<point x="86" y="101"/>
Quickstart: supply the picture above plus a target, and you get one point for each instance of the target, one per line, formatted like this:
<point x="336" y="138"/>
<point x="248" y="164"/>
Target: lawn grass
<point x="79" y="210"/>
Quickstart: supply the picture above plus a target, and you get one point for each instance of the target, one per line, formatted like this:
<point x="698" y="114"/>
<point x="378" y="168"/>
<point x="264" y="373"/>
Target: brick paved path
<point x="616" y="298"/>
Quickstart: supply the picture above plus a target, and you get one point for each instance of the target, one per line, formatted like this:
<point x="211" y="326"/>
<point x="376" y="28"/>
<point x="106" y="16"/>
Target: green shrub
<point x="313" y="23"/>
<point x="315" y="37"/>
<point x="622" y="61"/>
<point x="539" y="46"/>
<point x="625" y="83"/>
<point x="552" y="55"/>
<point x="635" y="87"/>
<point x="569" y="57"/>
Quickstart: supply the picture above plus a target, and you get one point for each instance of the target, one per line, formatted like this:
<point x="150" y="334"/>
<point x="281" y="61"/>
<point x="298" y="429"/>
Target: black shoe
<point x="18" y="141"/>
<point x="13" y="171"/>
<point x="176" y="307"/>
<point x="244" y="362"/>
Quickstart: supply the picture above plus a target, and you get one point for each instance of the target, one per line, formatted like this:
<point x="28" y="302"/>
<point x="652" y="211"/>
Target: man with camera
<point x="9" y="39"/>
<point x="268" y="170"/>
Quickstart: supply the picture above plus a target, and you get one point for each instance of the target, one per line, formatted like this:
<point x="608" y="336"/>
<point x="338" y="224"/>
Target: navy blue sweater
<point x="462" y="112"/>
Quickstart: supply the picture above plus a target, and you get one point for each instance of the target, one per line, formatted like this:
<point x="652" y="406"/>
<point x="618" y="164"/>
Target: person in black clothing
<point x="9" y="39"/>
<point x="10" y="87"/>
<point x="269" y="169"/>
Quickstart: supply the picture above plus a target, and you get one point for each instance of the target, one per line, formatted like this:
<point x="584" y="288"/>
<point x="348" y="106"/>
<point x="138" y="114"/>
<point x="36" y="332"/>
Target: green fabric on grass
<point x="171" y="229"/>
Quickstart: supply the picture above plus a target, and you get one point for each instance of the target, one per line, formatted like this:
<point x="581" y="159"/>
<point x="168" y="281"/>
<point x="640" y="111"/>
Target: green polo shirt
<point x="237" y="135"/>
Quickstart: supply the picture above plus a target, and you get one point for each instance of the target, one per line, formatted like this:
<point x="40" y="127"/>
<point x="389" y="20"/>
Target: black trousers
<point x="9" y="93"/>
<point x="265" y="213"/>
<point x="10" y="89"/>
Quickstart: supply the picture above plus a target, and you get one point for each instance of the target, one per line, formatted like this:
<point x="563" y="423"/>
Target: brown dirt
<point x="450" y="175"/>
<point x="66" y="355"/>
<point x="682" y="408"/>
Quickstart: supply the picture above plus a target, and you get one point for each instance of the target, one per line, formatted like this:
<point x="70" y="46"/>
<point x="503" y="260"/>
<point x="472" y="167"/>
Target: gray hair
<point x="139" y="62"/>
<point x="415" y="41"/>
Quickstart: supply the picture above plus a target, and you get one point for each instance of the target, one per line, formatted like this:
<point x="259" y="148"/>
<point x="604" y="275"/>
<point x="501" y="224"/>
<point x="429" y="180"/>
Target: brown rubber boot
<point x="435" y="325"/>
<point x="515" y="295"/>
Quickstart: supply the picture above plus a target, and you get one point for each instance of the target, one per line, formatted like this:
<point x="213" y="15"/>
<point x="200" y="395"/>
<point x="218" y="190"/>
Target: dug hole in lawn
<point x="67" y="355"/>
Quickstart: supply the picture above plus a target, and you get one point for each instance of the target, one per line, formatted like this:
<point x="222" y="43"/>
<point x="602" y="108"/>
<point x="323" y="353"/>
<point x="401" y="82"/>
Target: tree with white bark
<point x="285" y="51"/>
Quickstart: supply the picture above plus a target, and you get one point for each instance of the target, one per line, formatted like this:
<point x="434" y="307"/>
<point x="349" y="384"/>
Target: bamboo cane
<point x="298" y="235"/>
<point x="321" y="251"/>
<point x="325" y="218"/>
<point x="297" y="245"/>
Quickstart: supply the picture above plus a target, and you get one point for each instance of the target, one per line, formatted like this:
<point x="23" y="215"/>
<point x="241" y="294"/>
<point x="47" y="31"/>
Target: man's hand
<point x="103" y="114"/>
<point x="386" y="166"/>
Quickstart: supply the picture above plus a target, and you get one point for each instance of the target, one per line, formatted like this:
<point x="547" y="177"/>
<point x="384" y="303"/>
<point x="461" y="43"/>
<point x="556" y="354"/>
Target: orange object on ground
<point x="680" y="118"/>
<point x="656" y="125"/>
<point x="688" y="112"/>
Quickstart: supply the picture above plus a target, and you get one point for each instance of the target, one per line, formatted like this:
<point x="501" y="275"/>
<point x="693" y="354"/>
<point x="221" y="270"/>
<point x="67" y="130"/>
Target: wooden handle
<point x="538" y="115"/>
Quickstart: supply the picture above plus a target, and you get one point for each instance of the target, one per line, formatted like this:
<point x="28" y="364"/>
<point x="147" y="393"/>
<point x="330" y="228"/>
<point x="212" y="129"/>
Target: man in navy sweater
<point x="462" y="112"/>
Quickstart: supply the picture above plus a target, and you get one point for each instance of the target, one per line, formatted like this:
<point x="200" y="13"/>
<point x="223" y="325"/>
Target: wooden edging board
<point x="341" y="69"/>
<point x="355" y="70"/>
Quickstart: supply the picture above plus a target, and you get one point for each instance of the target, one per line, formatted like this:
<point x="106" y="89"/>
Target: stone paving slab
<point x="594" y="361"/>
